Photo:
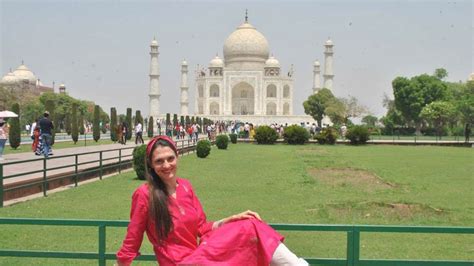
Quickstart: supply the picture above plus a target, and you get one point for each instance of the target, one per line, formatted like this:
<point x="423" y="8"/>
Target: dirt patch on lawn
<point x="396" y="210"/>
<point x="352" y="178"/>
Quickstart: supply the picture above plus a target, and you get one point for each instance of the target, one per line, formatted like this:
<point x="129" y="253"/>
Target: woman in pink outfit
<point x="169" y="212"/>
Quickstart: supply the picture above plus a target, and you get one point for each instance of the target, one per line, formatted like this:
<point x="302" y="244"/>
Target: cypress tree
<point x="168" y="121"/>
<point x="175" y="122"/>
<point x="150" y="127"/>
<point x="74" y="124"/>
<point x="193" y="120"/>
<point x="113" y="124"/>
<point x="15" y="131"/>
<point x="138" y="117"/>
<point x="96" y="124"/>
<point x="80" y="124"/>
<point x="128" y="121"/>
<point x="188" y="120"/>
<point x="182" y="120"/>
<point x="67" y="123"/>
<point x="50" y="106"/>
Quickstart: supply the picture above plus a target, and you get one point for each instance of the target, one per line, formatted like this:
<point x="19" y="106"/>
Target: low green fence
<point x="100" y="165"/>
<point x="352" y="255"/>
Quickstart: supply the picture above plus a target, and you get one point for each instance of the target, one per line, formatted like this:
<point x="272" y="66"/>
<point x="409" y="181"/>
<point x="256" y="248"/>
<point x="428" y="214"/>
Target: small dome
<point x="23" y="73"/>
<point x="246" y="44"/>
<point x="62" y="85"/>
<point x="216" y="62"/>
<point x="316" y="63"/>
<point x="329" y="42"/>
<point x="272" y="62"/>
<point x="184" y="63"/>
<point x="471" y="77"/>
<point x="9" y="78"/>
<point x="154" y="42"/>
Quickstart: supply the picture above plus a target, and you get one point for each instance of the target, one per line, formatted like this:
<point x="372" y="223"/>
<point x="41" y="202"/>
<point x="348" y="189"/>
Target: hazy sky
<point x="100" y="49"/>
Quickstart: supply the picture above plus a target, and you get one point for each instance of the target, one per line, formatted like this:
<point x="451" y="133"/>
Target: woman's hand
<point x="244" y="215"/>
<point x="241" y="216"/>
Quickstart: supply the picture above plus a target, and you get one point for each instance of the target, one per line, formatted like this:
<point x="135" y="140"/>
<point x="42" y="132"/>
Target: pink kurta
<point x="244" y="242"/>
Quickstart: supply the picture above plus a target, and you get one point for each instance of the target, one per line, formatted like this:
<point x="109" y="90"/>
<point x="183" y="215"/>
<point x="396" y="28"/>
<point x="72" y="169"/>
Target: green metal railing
<point x="352" y="255"/>
<point x="184" y="146"/>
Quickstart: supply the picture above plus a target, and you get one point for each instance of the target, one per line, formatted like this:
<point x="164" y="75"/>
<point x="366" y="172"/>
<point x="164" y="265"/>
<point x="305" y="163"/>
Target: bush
<point x="139" y="154"/>
<point x="265" y="135"/>
<point x="295" y="135"/>
<point x="327" y="136"/>
<point x="203" y="148"/>
<point x="222" y="141"/>
<point x="242" y="134"/>
<point x="358" y="135"/>
<point x="233" y="138"/>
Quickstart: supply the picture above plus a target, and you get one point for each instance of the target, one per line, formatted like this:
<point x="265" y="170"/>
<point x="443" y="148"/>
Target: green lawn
<point x="287" y="184"/>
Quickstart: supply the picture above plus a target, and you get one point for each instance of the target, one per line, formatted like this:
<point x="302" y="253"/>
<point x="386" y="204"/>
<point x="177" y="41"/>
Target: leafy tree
<point x="411" y="95"/>
<point x="96" y="124"/>
<point x="440" y="73"/>
<point x="113" y="124"/>
<point x="316" y="104"/>
<point x="150" y="126"/>
<point x="128" y="121"/>
<point x="438" y="114"/>
<point x="369" y="120"/>
<point x="74" y="124"/>
<point x="14" y="135"/>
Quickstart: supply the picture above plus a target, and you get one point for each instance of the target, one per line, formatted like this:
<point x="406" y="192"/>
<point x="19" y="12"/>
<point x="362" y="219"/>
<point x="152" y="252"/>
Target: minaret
<point x="154" y="94"/>
<point x="184" y="88"/>
<point x="316" y="77"/>
<point x="328" y="74"/>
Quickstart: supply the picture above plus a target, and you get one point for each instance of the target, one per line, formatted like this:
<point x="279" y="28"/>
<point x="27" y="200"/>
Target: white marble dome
<point x="216" y="62"/>
<point x="471" y="77"/>
<point x="316" y="63"/>
<point x="329" y="42"/>
<point x="9" y="78"/>
<point x="23" y="73"/>
<point x="246" y="44"/>
<point x="272" y="62"/>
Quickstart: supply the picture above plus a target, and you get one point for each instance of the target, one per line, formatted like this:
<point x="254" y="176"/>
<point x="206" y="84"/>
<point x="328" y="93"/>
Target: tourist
<point x="124" y="133"/>
<point x="33" y="128"/>
<point x="3" y="136"/>
<point x="167" y="209"/>
<point x="139" y="133"/>
<point x="35" y="146"/>
<point x="46" y="126"/>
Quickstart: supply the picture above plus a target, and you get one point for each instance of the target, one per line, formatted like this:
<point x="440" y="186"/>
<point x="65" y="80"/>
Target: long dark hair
<point x="159" y="211"/>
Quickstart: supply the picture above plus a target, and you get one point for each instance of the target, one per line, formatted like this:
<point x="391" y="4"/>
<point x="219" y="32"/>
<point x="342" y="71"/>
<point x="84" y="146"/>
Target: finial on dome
<point x="246" y="15"/>
<point x="22" y="62"/>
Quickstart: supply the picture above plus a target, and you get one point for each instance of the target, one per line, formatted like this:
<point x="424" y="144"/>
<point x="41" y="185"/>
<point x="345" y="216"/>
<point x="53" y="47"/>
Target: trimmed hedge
<point x="327" y="136"/>
<point x="222" y="141"/>
<point x="265" y="135"/>
<point x="203" y="148"/>
<point x="295" y="135"/>
<point x="233" y="138"/>
<point x="139" y="153"/>
<point x="358" y="135"/>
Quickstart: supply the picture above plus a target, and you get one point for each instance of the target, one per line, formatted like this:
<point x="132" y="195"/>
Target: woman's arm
<point x="240" y="216"/>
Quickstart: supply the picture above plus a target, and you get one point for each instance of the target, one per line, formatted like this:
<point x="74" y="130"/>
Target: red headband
<point x="152" y="142"/>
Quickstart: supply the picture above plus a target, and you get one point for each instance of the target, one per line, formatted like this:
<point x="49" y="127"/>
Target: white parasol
<point x="6" y="114"/>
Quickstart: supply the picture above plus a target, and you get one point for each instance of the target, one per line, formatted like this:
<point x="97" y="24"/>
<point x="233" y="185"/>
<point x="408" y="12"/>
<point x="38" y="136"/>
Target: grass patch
<point x="279" y="182"/>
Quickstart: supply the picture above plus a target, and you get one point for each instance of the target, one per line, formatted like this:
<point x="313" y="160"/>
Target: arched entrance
<point x="243" y="99"/>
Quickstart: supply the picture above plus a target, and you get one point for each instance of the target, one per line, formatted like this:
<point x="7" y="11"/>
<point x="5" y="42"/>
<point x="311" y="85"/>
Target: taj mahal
<point x="247" y="84"/>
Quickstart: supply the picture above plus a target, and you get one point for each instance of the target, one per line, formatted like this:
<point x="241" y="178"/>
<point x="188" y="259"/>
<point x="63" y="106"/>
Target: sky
<point x="100" y="49"/>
